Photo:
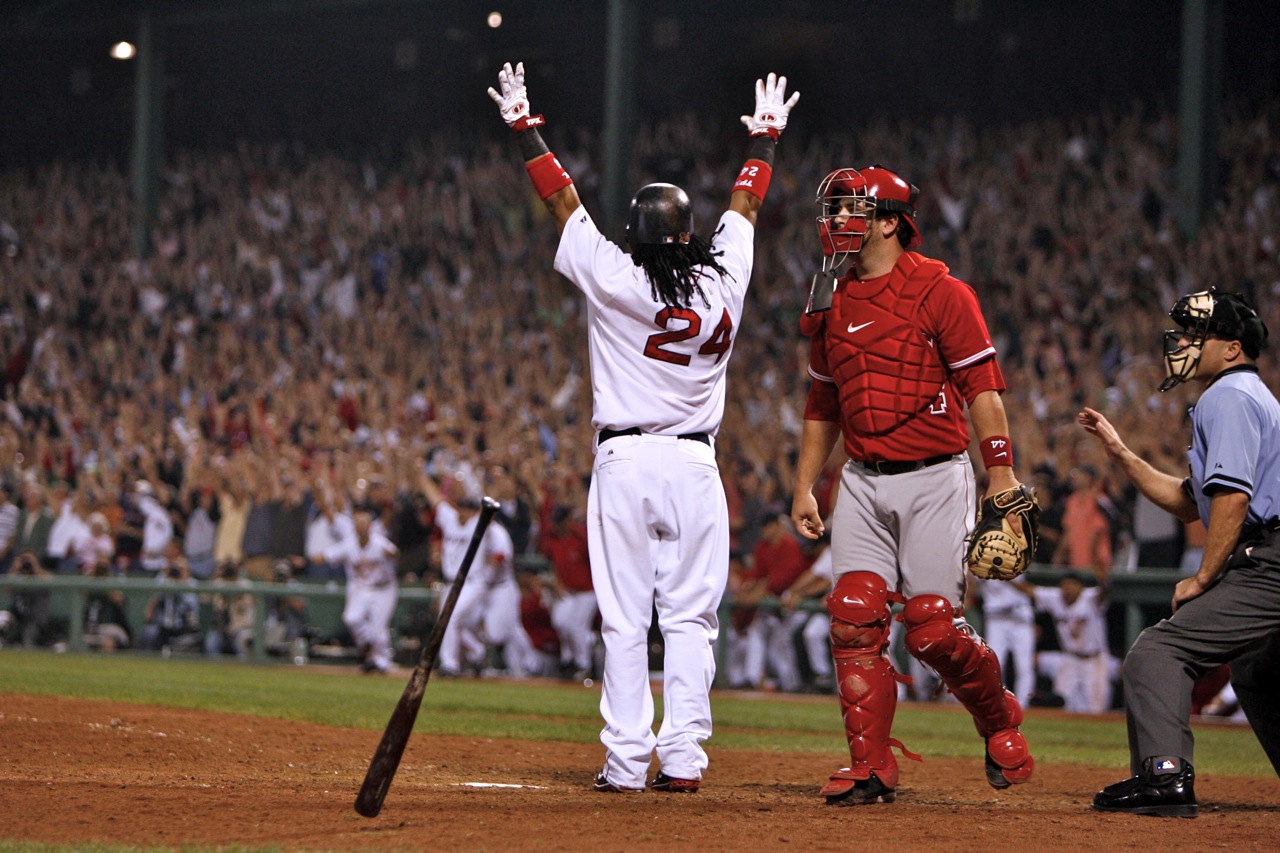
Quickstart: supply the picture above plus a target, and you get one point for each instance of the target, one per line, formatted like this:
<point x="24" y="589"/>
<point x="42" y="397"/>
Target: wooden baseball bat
<point x="386" y="759"/>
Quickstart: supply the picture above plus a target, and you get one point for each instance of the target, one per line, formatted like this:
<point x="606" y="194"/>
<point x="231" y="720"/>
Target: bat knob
<point x="489" y="503"/>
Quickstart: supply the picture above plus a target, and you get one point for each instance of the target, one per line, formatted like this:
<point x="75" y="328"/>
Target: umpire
<point x="1229" y="611"/>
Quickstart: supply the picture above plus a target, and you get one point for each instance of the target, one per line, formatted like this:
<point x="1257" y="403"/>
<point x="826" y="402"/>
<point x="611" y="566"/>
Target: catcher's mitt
<point x="1005" y="537"/>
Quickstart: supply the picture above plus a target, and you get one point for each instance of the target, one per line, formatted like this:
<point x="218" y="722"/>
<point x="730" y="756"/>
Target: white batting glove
<point x="772" y="107"/>
<point x="512" y="98"/>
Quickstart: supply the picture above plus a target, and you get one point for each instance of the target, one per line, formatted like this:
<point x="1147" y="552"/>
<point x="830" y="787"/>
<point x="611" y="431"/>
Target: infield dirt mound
<point x="77" y="771"/>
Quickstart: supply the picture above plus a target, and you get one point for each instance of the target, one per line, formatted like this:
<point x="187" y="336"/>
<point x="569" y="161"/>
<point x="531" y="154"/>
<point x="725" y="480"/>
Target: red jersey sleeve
<point x="823" y="403"/>
<point x="954" y="320"/>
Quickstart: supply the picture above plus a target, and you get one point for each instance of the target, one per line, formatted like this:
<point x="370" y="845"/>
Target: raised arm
<point x="431" y="491"/>
<point x="765" y="125"/>
<point x="1164" y="490"/>
<point x="550" y="180"/>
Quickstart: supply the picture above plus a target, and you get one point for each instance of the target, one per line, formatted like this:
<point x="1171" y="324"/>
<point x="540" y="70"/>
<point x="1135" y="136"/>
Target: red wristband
<point x="996" y="450"/>
<point x="754" y="178"/>
<point x="526" y="122"/>
<point x="548" y="176"/>
<point x="771" y="132"/>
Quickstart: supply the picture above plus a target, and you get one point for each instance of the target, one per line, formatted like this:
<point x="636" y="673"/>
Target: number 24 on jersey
<point x="717" y="345"/>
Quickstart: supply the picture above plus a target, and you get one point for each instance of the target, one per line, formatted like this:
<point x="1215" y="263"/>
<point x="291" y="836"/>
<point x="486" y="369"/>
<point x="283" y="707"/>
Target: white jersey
<point x="66" y="528"/>
<point x="1003" y="600"/>
<point x="455" y="537"/>
<point x="157" y="532"/>
<point x="1082" y="631"/>
<point x="824" y="567"/>
<point x="321" y="532"/>
<point x="655" y="367"/>
<point x="496" y="557"/>
<point x="369" y="565"/>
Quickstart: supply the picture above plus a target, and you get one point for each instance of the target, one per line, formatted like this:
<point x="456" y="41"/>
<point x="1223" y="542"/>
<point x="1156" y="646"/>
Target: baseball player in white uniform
<point x="463" y="645"/>
<point x="661" y="324"/>
<point x="1009" y="627"/>
<point x="500" y="600"/>
<point x="1084" y="668"/>
<point x="814" y="626"/>
<point x="368" y="557"/>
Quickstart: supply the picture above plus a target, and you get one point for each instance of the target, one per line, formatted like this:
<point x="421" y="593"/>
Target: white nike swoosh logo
<point x="853" y="328"/>
<point x="847" y="600"/>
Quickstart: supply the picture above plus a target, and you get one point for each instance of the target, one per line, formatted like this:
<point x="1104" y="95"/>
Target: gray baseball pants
<point x="1236" y="621"/>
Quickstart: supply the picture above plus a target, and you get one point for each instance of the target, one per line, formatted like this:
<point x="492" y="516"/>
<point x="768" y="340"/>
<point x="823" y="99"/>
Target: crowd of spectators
<point x="313" y="330"/>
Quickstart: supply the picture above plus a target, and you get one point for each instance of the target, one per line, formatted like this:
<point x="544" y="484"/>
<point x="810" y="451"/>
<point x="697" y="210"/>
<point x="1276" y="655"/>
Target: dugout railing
<point x="1139" y="593"/>
<point x="69" y="594"/>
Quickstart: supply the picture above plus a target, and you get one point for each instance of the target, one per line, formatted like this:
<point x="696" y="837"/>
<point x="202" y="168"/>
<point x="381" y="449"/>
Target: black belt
<point x="606" y="434"/>
<point x="903" y="467"/>
<point x="1256" y="530"/>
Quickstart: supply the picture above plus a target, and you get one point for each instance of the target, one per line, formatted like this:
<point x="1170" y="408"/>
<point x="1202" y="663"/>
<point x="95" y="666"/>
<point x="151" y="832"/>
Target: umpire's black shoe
<point x="1164" y="788"/>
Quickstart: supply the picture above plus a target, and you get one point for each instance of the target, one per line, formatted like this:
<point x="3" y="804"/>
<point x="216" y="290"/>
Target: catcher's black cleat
<point x="671" y="785"/>
<point x="995" y="776"/>
<point x="1008" y="761"/>
<point x="865" y="792"/>
<point x="1165" y="788"/>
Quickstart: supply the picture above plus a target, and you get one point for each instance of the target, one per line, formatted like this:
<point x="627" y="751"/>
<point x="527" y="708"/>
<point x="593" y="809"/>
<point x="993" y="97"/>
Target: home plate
<point x="497" y="785"/>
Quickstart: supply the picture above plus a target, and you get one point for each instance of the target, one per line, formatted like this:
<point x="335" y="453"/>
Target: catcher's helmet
<point x="660" y="214"/>
<point x="1226" y="315"/>
<point x="857" y="194"/>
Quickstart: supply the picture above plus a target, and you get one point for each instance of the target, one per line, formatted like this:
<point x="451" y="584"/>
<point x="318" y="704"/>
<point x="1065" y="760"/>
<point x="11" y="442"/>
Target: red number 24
<point x="718" y="344"/>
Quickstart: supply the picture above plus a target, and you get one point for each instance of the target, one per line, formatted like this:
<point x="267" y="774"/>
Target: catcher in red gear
<point x="899" y="353"/>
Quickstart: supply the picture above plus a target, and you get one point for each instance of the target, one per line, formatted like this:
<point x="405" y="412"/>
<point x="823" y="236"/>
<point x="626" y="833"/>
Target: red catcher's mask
<point x="854" y="196"/>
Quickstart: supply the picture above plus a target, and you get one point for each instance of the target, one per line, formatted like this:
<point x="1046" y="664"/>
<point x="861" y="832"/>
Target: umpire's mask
<point x="1224" y="315"/>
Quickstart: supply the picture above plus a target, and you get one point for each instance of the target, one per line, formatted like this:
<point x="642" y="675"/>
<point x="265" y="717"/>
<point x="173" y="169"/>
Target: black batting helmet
<point x="660" y="214"/>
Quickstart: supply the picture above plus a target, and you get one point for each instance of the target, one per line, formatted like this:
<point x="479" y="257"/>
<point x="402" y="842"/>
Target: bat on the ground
<point x="386" y="759"/>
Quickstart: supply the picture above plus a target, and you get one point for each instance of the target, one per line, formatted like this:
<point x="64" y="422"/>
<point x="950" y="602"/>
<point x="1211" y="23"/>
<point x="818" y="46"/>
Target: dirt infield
<point x="76" y="771"/>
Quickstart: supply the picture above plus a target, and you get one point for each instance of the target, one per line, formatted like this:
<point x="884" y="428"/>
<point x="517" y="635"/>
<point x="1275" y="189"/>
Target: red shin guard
<point x="967" y="666"/>
<point x="971" y="671"/>
<point x="866" y="681"/>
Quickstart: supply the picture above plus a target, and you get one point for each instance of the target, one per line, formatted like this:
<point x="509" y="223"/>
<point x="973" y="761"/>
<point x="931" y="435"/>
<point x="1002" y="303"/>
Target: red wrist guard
<point x="996" y="450"/>
<point x="771" y="132"/>
<point x="548" y="176"/>
<point x="526" y="122"/>
<point x="754" y="178"/>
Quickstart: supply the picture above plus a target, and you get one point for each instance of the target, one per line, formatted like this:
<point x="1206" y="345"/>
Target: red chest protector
<point x="886" y="369"/>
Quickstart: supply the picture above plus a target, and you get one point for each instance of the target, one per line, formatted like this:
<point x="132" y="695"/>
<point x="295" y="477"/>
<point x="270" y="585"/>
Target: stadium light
<point x="494" y="20"/>
<point x="123" y="50"/>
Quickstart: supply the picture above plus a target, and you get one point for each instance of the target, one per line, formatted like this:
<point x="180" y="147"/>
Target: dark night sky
<point x="350" y="73"/>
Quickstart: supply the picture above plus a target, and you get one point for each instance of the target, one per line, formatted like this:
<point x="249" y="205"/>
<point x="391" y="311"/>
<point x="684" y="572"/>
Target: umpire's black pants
<point x="1237" y="621"/>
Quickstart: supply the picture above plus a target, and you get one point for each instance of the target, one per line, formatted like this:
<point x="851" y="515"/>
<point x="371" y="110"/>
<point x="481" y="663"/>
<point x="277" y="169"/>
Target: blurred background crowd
<point x="315" y="329"/>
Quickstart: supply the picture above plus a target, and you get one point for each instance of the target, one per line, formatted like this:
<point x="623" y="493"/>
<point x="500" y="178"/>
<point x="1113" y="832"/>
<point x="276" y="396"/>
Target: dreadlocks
<point x="673" y="269"/>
